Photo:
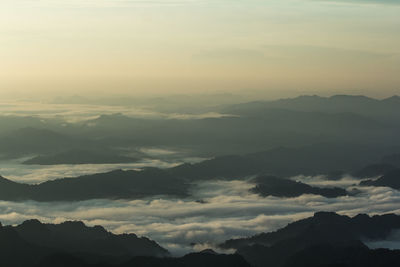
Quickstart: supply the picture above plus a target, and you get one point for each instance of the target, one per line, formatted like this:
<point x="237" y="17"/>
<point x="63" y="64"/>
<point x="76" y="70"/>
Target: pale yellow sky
<point x="178" y="46"/>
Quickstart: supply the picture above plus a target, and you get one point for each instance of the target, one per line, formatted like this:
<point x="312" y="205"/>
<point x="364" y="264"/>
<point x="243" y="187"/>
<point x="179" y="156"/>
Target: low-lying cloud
<point x="218" y="210"/>
<point x="73" y="113"/>
<point x="34" y="174"/>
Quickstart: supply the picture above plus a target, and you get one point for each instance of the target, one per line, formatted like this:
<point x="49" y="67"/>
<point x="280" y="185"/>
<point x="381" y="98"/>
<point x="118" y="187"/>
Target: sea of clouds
<point x="216" y="211"/>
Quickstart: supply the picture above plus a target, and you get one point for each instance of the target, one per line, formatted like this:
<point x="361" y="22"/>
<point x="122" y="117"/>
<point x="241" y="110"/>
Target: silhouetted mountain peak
<point x="208" y="251"/>
<point x="33" y="229"/>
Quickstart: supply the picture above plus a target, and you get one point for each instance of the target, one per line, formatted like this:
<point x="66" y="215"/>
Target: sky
<point x="139" y="47"/>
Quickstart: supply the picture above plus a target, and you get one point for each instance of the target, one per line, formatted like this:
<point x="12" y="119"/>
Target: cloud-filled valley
<point x="216" y="211"/>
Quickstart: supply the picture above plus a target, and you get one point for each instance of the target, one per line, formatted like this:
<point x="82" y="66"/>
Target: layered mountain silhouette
<point x="268" y="140"/>
<point x="326" y="239"/>
<point x="175" y="181"/>
<point x="281" y="162"/>
<point x="246" y="128"/>
<point x="149" y="182"/>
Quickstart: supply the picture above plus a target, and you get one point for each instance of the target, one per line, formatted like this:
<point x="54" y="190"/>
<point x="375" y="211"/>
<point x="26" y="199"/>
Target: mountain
<point x="256" y="126"/>
<point x="326" y="239"/>
<point x="149" y="182"/>
<point x="32" y="241"/>
<point x="280" y="187"/>
<point x="13" y="123"/>
<point x="79" y="156"/>
<point x="244" y="128"/>
<point x="175" y="181"/>
<point x="351" y="255"/>
<point x="387" y="164"/>
<point x="202" y="259"/>
<point x="326" y="232"/>
<point x="111" y="185"/>
<point x="28" y="141"/>
<point x="319" y="158"/>
<point x="385" y="109"/>
<point x="72" y="243"/>
<point x="390" y="179"/>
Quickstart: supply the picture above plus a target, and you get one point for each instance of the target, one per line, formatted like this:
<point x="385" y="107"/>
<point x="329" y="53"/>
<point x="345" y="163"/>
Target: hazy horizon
<point x="274" y="48"/>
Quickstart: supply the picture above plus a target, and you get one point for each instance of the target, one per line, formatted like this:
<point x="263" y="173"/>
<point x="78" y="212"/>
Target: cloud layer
<point x="73" y="113"/>
<point x="218" y="210"/>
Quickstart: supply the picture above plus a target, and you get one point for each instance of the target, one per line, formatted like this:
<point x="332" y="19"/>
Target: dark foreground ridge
<point x="72" y="244"/>
<point x="326" y="239"/>
<point x="32" y="241"/>
<point x="201" y="259"/>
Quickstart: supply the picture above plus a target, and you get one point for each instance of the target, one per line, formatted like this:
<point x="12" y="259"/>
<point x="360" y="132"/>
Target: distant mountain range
<point x="249" y="127"/>
<point x="385" y="109"/>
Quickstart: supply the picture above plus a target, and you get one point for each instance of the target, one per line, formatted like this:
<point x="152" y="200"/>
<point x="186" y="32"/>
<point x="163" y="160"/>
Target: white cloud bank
<point x="217" y="211"/>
